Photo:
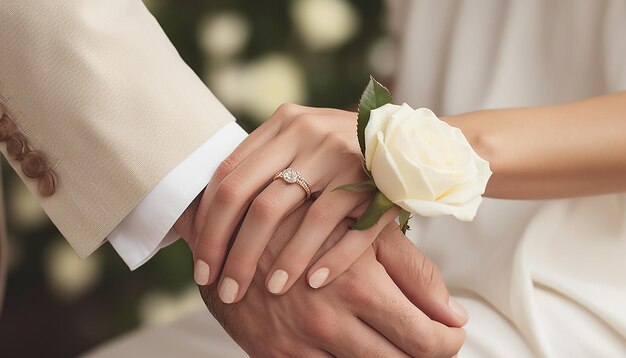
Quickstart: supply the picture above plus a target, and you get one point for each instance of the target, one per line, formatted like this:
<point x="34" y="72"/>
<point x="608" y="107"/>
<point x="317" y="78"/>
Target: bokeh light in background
<point x="254" y="55"/>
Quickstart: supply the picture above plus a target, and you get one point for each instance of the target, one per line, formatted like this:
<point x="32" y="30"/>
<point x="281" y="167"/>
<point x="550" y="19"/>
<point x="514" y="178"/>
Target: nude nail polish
<point x="228" y="290"/>
<point x="277" y="281"/>
<point x="318" y="277"/>
<point x="201" y="273"/>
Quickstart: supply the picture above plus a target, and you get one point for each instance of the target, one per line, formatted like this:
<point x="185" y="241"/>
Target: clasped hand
<point x="369" y="311"/>
<point x="321" y="145"/>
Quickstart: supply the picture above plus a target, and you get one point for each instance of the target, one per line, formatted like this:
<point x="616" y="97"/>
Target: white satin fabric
<point x="539" y="278"/>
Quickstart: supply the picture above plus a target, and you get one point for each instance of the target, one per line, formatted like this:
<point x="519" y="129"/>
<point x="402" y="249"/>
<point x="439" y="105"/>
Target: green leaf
<point x="360" y="187"/>
<point x="374" y="96"/>
<point x="372" y="214"/>
<point x="404" y="220"/>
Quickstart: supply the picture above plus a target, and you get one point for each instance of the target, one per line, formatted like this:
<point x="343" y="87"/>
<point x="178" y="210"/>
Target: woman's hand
<point x="321" y="145"/>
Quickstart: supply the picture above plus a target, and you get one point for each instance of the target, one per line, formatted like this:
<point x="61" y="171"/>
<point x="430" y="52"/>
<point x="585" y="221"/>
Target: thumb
<point x="417" y="277"/>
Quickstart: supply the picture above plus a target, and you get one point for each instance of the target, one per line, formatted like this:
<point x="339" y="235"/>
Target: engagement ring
<point x="291" y="176"/>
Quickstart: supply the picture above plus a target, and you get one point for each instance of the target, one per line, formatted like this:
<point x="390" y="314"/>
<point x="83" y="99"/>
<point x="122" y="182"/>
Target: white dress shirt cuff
<point x="148" y="227"/>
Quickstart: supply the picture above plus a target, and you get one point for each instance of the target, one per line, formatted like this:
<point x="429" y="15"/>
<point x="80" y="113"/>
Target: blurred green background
<point x="254" y="55"/>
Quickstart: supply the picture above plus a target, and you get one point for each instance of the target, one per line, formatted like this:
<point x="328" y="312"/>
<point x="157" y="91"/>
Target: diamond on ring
<point x="291" y="176"/>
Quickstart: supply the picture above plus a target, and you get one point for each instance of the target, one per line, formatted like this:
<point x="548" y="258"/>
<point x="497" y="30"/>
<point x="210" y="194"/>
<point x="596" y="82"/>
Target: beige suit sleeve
<point x="97" y="87"/>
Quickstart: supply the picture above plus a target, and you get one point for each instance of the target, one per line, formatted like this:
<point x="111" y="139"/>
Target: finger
<point x="347" y="251"/>
<point x="418" y="278"/>
<point x="387" y="310"/>
<point x="255" y="141"/>
<point x="231" y="199"/>
<point x="328" y="210"/>
<point x="360" y="340"/>
<point x="266" y="212"/>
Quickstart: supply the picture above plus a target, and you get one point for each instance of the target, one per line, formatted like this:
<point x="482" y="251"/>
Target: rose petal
<point x="440" y="181"/>
<point x="379" y="118"/>
<point x="387" y="176"/>
<point x="461" y="137"/>
<point x="465" y="212"/>
<point x="426" y="153"/>
<point x="426" y="113"/>
<point x="398" y="121"/>
<point x="432" y="136"/>
<point x="437" y="181"/>
<point x="419" y="184"/>
<point x="465" y="192"/>
<point x="402" y="141"/>
<point x="443" y="153"/>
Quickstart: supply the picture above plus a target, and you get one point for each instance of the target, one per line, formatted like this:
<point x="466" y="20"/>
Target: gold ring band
<point x="291" y="176"/>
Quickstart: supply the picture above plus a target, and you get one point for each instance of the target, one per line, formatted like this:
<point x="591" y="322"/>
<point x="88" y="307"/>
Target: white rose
<point x="422" y="164"/>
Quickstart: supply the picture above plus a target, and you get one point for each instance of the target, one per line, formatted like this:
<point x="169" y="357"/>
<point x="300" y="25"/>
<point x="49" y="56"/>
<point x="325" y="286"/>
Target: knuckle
<point x="428" y="272"/>
<point x="323" y="214"/>
<point x="229" y="189"/>
<point x="422" y="340"/>
<point x="293" y="261"/>
<point x="287" y="110"/>
<point x="265" y="206"/>
<point x="356" y="288"/>
<point x="336" y="142"/>
<point x="306" y="123"/>
<point x="210" y="248"/>
<point x="356" y="277"/>
<point x="226" y="167"/>
<point x="333" y="139"/>
<point x="239" y="266"/>
<point x="323" y="325"/>
<point x="361" y="296"/>
<point x="426" y="345"/>
<point x="283" y="346"/>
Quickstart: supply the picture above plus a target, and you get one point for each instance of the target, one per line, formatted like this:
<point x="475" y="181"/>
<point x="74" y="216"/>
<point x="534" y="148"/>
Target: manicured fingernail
<point x="318" y="277"/>
<point x="457" y="309"/>
<point x="201" y="273"/>
<point x="277" y="281"/>
<point x="228" y="290"/>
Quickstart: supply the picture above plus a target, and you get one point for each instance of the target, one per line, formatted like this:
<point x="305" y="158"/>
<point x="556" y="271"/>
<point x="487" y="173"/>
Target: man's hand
<point x="362" y="313"/>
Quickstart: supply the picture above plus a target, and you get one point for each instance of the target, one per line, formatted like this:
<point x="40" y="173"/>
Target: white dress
<point x="543" y="279"/>
<point x="539" y="278"/>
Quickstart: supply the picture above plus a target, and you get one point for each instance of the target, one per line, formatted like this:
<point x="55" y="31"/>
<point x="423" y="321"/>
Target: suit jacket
<point x="96" y="107"/>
